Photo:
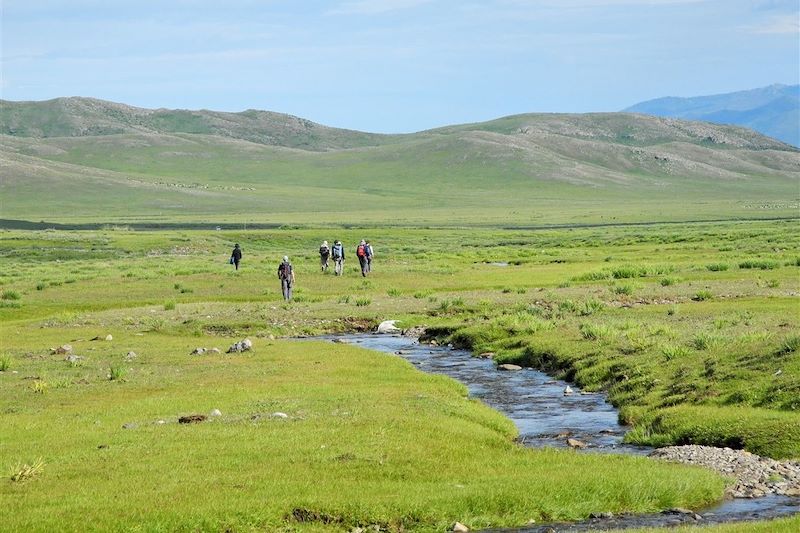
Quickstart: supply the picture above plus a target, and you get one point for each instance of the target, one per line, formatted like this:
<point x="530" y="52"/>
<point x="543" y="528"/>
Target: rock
<point x="795" y="492"/>
<point x="271" y="337"/>
<point x="109" y="338"/>
<point x="509" y="367"/>
<point x="129" y="425"/>
<point x="575" y="443"/>
<point x="487" y="355"/>
<point x="414" y="331"/>
<point x="679" y="510"/>
<point x="278" y="414"/>
<point x="215" y="350"/>
<point x="568" y="390"/>
<point x="161" y="422"/>
<point x="61" y="350"/>
<point x="215" y="412"/>
<point x="388" y="327"/>
<point x="72" y="358"/>
<point x="198" y="351"/>
<point x="458" y="526"/>
<point x="130" y="355"/>
<point x="340" y="341"/>
<point x="602" y="516"/>
<point x="192" y="419"/>
<point x="241" y="346"/>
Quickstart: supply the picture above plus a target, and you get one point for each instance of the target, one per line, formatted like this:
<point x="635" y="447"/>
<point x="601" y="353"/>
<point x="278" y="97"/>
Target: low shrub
<point x="362" y="302"/>
<point x="702" y="295"/>
<point x="10" y="295"/>
<point x="169" y="306"/>
<point x="717" y="267"/>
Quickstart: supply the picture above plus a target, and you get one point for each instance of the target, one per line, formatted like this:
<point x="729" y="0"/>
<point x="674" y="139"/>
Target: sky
<point x="395" y="65"/>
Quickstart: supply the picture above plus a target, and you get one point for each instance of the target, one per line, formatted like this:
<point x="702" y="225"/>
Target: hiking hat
<point x="285" y="258"/>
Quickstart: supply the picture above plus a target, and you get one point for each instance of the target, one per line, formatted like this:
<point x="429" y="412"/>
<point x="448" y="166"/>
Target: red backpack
<point x="360" y="251"/>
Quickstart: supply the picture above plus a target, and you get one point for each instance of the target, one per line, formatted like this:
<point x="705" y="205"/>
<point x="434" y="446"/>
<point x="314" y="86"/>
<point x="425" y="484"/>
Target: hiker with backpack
<point x="337" y="252"/>
<point x="368" y="252"/>
<point x="236" y="256"/>
<point x="286" y="275"/>
<point x="361" y="253"/>
<point x="324" y="254"/>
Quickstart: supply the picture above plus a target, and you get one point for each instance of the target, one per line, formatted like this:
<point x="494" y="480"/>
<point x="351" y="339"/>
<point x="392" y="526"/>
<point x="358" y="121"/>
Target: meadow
<point x="692" y="329"/>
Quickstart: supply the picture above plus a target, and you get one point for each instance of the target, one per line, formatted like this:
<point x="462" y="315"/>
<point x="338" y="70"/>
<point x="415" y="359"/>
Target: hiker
<point x="286" y="275"/>
<point x="361" y="253"/>
<point x="324" y="254"/>
<point x="368" y="251"/>
<point x="236" y="256"/>
<point x="337" y="252"/>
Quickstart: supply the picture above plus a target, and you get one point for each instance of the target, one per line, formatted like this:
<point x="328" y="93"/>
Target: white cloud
<point x="375" y="7"/>
<point x="782" y="24"/>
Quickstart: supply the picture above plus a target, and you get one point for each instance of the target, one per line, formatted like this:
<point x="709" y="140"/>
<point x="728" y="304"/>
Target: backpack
<point x="285" y="271"/>
<point x="360" y="251"/>
<point x="323" y="250"/>
<point x="337" y="251"/>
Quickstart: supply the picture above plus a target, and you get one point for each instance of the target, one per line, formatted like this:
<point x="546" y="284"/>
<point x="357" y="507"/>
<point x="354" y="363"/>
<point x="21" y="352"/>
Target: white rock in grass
<point x="278" y="414"/>
<point x="216" y="412"/>
<point x="388" y="326"/>
<point x="109" y="337"/>
<point x="461" y="528"/>
<point x="568" y="390"/>
<point x="130" y="355"/>
<point x="509" y="367"/>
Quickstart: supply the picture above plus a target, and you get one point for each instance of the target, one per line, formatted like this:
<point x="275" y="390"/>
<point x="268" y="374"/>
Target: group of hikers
<point x="364" y="253"/>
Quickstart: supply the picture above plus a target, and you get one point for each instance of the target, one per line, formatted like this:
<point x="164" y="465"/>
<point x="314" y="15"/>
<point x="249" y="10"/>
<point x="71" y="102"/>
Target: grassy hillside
<point x="520" y="170"/>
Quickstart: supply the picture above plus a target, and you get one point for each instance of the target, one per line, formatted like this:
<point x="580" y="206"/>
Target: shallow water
<point x="545" y="416"/>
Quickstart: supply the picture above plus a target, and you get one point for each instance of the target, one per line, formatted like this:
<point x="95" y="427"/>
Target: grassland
<point x="692" y="329"/>
<point x="90" y="161"/>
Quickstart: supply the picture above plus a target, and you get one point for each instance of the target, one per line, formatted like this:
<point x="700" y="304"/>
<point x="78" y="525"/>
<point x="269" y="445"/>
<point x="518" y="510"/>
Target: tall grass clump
<point x="116" y="372"/>
<point x="596" y="332"/>
<point x="717" y="267"/>
<point x="393" y="292"/>
<point x="762" y="264"/>
<point x="363" y="302"/>
<point x="704" y="341"/>
<point x="674" y="351"/>
<point x="702" y="295"/>
<point x="169" y="305"/>
<point x="668" y="281"/>
<point x="790" y="344"/>
<point x="626" y="289"/>
<point x="590" y="307"/>
<point x="5" y="363"/>
<point x="628" y="271"/>
<point x="10" y="295"/>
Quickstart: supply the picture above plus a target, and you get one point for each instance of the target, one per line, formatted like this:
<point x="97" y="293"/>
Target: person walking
<point x="236" y="256"/>
<point x="337" y="252"/>
<point x="368" y="251"/>
<point x="324" y="254"/>
<point x="286" y="275"/>
<point x="361" y="253"/>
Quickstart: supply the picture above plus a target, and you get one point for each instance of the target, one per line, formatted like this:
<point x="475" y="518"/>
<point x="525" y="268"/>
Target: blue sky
<point x="395" y="65"/>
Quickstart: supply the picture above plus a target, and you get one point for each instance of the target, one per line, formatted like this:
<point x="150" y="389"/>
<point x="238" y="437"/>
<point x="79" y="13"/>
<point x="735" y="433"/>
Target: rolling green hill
<point x="87" y="160"/>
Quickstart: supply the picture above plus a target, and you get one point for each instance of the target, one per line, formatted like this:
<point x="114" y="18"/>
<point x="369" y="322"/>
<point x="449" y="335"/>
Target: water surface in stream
<point x="546" y="416"/>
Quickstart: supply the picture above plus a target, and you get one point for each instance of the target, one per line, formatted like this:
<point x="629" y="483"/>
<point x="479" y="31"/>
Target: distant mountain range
<point x="773" y="110"/>
<point x="88" y="159"/>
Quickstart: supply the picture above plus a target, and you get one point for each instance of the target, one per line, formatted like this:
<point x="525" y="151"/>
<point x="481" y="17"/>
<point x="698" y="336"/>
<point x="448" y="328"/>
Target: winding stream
<point x="546" y="416"/>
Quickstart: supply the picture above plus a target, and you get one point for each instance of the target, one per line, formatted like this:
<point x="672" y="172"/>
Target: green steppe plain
<point x="691" y="328"/>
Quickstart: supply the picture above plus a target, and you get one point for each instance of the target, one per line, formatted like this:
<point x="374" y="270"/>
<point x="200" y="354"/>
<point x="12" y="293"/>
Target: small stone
<point x="678" y="510"/>
<point x="129" y="425"/>
<point x="215" y="412"/>
<point x="63" y="349"/>
<point x="458" y="526"/>
<point x="486" y="355"/>
<point x="575" y="443"/>
<point x="109" y="337"/>
<point x="161" y="422"/>
<point x="130" y="355"/>
<point x="509" y="367"/>
<point x="271" y="337"/>
<point x="568" y="390"/>
<point x="278" y="414"/>
<point x="215" y="350"/>
<point x="72" y="358"/>
<point x="198" y="351"/>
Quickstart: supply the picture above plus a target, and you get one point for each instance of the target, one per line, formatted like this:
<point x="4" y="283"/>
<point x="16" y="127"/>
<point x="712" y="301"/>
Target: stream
<point x="546" y="416"/>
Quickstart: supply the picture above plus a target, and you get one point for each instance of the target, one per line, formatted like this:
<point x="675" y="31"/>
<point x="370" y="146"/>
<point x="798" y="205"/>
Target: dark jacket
<point x="237" y="254"/>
